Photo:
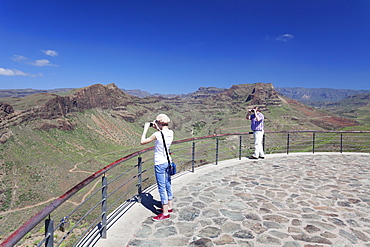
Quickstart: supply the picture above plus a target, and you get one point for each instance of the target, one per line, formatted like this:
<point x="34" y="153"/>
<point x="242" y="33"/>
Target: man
<point x="257" y="120"/>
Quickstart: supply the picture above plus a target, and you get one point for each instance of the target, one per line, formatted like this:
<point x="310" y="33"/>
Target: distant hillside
<point x="312" y="95"/>
<point x="202" y="92"/>
<point x="18" y="93"/>
<point x="348" y="103"/>
<point x="142" y="94"/>
<point x="29" y="91"/>
<point x="355" y="107"/>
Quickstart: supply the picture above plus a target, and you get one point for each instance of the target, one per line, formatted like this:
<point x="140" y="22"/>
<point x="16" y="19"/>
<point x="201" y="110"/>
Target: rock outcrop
<point x="52" y="106"/>
<point x="5" y="109"/>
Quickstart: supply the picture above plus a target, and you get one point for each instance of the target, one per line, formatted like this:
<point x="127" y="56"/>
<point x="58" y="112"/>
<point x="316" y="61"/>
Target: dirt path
<point x="27" y="207"/>
<point x="73" y="170"/>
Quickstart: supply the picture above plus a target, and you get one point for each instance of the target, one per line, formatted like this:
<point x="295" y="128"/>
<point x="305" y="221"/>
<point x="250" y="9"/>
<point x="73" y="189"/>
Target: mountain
<point x="311" y="96"/>
<point x="68" y="135"/>
<point x="356" y="107"/>
<point x="315" y="95"/>
<point x="204" y="92"/>
<point x="29" y="91"/>
<point x="52" y="106"/>
<point x="142" y="94"/>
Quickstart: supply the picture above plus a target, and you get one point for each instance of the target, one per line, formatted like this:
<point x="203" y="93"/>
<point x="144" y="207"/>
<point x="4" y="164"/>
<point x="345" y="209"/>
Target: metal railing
<point x="125" y="181"/>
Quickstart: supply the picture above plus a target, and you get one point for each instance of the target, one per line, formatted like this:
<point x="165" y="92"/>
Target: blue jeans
<point x="163" y="178"/>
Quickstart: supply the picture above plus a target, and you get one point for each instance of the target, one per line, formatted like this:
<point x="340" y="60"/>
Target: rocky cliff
<point x="52" y="106"/>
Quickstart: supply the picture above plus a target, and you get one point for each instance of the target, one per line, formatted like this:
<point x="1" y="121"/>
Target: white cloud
<point x="19" y="58"/>
<point x="51" y="53"/>
<point x="15" y="72"/>
<point x="11" y="72"/>
<point x="41" y="63"/>
<point x="285" y="37"/>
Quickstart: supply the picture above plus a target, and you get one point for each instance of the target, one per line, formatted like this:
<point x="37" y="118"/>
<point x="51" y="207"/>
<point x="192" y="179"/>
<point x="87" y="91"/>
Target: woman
<point x="160" y="162"/>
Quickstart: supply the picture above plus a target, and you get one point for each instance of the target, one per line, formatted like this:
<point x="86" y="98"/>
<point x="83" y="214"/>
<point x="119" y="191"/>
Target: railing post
<point x="49" y="232"/>
<point x="240" y="147"/>
<point x="193" y="157"/>
<point x="341" y="142"/>
<point x="104" y="207"/>
<point x="139" y="178"/>
<point x="313" y="143"/>
<point x="216" y="150"/>
<point x="287" y="144"/>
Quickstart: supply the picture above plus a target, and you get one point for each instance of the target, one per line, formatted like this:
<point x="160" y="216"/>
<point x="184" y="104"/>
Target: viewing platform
<point x="299" y="199"/>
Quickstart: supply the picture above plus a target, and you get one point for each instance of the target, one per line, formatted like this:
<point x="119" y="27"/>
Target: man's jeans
<point x="258" y="148"/>
<point x="163" y="178"/>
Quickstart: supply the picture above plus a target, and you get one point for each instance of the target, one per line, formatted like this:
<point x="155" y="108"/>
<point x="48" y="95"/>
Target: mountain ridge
<point x="305" y="95"/>
<point x="52" y="106"/>
<point x="308" y="95"/>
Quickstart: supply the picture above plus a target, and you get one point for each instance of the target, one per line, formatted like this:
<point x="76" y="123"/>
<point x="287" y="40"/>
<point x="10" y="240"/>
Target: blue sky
<point x="178" y="46"/>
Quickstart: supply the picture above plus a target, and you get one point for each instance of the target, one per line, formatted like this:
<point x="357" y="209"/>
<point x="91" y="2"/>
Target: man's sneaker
<point x="160" y="217"/>
<point x="261" y="157"/>
<point x="161" y="210"/>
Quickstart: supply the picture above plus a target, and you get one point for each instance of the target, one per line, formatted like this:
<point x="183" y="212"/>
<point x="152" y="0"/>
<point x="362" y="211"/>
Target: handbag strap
<point x="165" y="148"/>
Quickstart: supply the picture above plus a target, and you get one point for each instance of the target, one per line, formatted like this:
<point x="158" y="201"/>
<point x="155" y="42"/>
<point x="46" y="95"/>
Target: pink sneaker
<point x="160" y="217"/>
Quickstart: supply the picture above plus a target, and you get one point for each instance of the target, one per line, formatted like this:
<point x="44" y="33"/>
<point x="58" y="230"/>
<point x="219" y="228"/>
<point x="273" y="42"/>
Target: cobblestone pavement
<point x="283" y="200"/>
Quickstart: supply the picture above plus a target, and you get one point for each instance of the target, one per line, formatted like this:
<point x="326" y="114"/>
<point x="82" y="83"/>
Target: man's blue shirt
<point x="257" y="125"/>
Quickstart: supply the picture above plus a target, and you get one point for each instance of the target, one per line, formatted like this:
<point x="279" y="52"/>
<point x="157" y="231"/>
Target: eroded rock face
<point x="58" y="107"/>
<point x="5" y="109"/>
<point x="263" y="94"/>
<point x="258" y="94"/>
<point x="86" y="98"/>
<point x="62" y="124"/>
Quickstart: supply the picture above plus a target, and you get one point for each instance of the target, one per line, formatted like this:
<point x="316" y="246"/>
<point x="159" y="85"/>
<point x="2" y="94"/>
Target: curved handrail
<point x="16" y="236"/>
<point x="31" y="223"/>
